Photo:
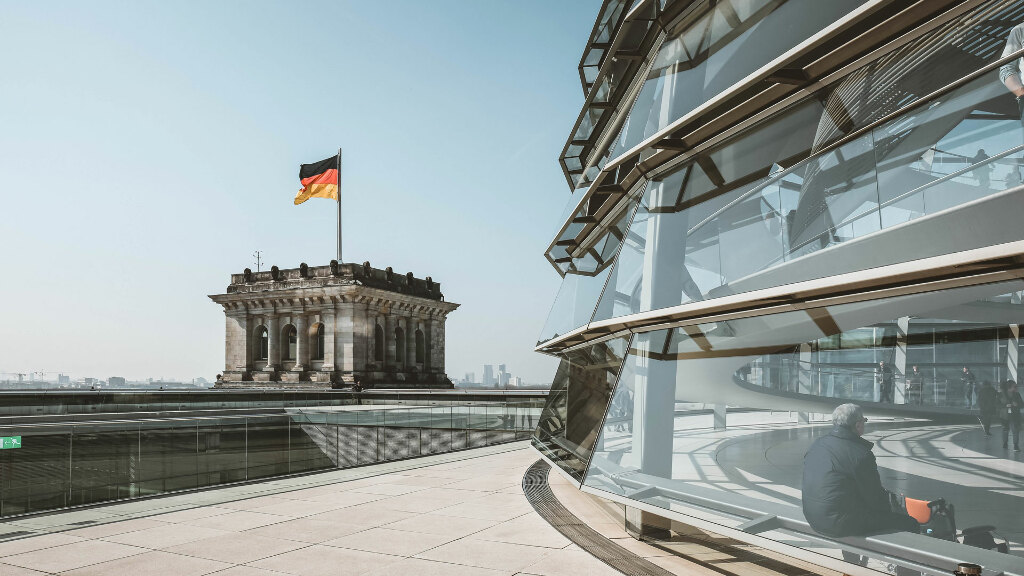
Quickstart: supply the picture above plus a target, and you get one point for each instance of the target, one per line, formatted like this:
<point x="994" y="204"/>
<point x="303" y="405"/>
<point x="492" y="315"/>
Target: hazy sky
<point x="148" y="148"/>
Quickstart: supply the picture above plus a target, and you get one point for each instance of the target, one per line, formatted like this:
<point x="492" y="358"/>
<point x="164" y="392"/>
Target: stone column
<point x="372" y="320"/>
<point x="301" y="338"/>
<point x="236" y="342"/>
<point x="389" y="340"/>
<point x="437" y="345"/>
<point x="428" y="336"/>
<point x="330" y="329"/>
<point x="362" y="336"/>
<point x="273" y="341"/>
<point x="410" y="341"/>
<point x="345" y="343"/>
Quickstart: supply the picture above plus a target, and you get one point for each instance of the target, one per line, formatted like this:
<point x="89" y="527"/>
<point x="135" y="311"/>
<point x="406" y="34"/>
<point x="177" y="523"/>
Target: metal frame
<point x="671" y="157"/>
<point x="978" y="266"/>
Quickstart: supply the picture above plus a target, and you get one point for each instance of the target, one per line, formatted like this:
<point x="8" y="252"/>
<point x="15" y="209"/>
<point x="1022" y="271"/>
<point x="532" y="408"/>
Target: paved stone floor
<point x="461" y="514"/>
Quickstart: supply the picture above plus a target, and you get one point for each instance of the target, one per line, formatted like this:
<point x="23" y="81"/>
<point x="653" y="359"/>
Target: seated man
<point x="842" y="492"/>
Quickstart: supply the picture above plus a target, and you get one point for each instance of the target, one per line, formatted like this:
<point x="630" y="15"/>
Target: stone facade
<point x="334" y="325"/>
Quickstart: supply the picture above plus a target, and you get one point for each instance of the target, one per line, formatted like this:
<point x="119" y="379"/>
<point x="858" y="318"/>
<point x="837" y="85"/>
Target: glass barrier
<point x="57" y="465"/>
<point x="736" y="422"/>
<point x="568" y="426"/>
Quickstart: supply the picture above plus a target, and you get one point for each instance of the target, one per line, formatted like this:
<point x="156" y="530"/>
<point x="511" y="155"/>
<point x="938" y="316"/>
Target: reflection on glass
<point x="777" y="205"/>
<point x="579" y="395"/>
<point x="582" y="285"/>
<point x="716" y="51"/>
<point x="713" y="420"/>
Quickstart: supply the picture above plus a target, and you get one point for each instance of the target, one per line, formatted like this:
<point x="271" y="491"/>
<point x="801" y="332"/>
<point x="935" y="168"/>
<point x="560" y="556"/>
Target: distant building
<point x="488" y="375"/>
<point x="469" y="378"/>
<point x="63" y="379"/>
<point x="334" y="325"/>
<point x="516" y="382"/>
<point x="116" y="381"/>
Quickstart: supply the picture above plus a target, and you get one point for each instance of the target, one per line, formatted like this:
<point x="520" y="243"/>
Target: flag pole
<point x="340" y="261"/>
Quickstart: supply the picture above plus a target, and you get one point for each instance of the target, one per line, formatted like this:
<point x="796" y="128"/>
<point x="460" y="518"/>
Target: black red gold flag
<point x="319" y="180"/>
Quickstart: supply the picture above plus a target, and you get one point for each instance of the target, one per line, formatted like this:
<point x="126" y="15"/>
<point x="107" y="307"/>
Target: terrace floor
<point x="456" y="514"/>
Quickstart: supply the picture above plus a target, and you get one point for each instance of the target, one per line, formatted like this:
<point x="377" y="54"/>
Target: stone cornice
<point x="335" y="274"/>
<point x="300" y="298"/>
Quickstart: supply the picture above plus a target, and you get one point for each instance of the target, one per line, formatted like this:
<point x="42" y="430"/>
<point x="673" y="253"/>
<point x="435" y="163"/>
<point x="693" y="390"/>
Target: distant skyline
<point x="149" y="148"/>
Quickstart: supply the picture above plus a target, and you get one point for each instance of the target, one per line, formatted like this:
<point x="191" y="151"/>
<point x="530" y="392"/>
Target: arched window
<point x="399" y="345"/>
<point x="420" y="348"/>
<point x="378" y="343"/>
<point x="262" y="343"/>
<point x="291" y="336"/>
<point x="318" y="351"/>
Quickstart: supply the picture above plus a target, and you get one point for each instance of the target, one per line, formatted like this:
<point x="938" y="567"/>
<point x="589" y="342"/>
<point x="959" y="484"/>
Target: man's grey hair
<point x="847" y="415"/>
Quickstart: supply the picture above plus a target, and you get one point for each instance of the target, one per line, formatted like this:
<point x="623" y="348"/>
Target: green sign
<point x="7" y="442"/>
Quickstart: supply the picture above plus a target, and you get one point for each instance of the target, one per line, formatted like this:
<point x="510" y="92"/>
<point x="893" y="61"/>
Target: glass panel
<point x="581" y="288"/>
<point x="35" y="476"/>
<point x="713" y="421"/>
<point x="569" y="422"/>
<point x="765" y="209"/>
<point x="312" y="445"/>
<point x="168" y="455"/>
<point x="713" y="53"/>
<point x="267" y="446"/>
<point x="221" y="451"/>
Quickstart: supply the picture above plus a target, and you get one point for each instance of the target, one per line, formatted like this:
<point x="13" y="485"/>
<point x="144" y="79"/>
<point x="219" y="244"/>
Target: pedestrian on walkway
<point x="886" y="378"/>
<point x="1010" y="404"/>
<point x="988" y="403"/>
<point x="969" y="383"/>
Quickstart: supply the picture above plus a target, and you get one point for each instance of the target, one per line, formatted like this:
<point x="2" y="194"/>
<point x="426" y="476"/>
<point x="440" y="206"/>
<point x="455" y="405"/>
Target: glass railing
<point x="62" y="464"/>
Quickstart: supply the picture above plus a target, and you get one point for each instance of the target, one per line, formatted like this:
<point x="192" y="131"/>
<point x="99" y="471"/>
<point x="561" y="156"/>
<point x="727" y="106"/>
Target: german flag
<point x="319" y="180"/>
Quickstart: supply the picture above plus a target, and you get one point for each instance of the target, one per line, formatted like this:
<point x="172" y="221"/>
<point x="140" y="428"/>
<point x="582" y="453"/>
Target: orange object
<point x="919" y="510"/>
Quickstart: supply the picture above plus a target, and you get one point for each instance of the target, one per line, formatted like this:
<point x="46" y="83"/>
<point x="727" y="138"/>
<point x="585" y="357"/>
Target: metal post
<point x="340" y="261"/>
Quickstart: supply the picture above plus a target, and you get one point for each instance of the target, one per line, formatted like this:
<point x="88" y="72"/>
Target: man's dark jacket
<point x="842" y="493"/>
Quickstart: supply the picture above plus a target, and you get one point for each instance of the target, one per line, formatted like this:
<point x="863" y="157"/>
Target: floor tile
<point x="248" y="571"/>
<point x="165" y="536"/>
<point x="386" y="541"/>
<point x="430" y="499"/>
<point x="71" y="556"/>
<point x="237" y="521"/>
<point x="420" y="567"/>
<point x="527" y="530"/>
<point x="484" y="511"/>
<point x="236" y="548"/>
<point x="112" y="528"/>
<point x="570" y="563"/>
<point x="253" y="503"/>
<point x="388" y="489"/>
<point x="9" y="570"/>
<point x="485" y="554"/>
<point x="190" y="514"/>
<point x="366" y="515"/>
<point x="441" y="525"/>
<point x="152" y="564"/>
<point x="343" y="498"/>
<point x="318" y="560"/>
<point x="297" y="508"/>
<point x="306" y="530"/>
<point x="29" y="544"/>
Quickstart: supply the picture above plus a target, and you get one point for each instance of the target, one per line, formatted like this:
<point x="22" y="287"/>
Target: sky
<point x="147" y="149"/>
